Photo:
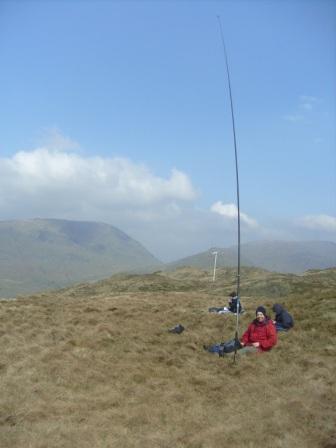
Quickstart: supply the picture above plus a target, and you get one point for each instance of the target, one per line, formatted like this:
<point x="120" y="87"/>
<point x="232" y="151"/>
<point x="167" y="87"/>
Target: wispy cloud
<point x="308" y="102"/>
<point x="230" y="211"/>
<point x="54" y="139"/>
<point x="318" y="222"/>
<point x="305" y="105"/>
<point x="293" y="118"/>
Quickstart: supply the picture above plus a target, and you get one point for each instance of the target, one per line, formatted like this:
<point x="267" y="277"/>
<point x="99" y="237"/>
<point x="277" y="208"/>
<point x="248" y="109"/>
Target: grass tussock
<point x="94" y="365"/>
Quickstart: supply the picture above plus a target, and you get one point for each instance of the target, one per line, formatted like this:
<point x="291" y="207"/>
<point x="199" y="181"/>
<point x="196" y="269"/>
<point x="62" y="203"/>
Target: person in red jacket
<point x="261" y="334"/>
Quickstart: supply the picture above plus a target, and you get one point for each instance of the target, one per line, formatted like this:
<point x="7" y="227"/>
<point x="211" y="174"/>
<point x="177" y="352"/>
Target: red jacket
<point x="264" y="333"/>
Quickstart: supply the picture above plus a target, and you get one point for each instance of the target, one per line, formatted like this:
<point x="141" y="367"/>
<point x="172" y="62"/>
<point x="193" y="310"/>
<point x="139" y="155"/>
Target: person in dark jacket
<point x="283" y="320"/>
<point x="233" y="299"/>
<point x="261" y="334"/>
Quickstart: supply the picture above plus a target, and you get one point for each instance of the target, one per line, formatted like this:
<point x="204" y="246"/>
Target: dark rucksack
<point x="230" y="346"/>
<point x="178" y="329"/>
<point x="224" y="347"/>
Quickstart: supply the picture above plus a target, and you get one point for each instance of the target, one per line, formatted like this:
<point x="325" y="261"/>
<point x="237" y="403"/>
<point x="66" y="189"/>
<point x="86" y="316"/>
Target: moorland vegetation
<point x="95" y="366"/>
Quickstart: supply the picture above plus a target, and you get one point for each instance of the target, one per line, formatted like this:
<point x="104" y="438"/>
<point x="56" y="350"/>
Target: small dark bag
<point x="230" y="346"/>
<point x="178" y="329"/>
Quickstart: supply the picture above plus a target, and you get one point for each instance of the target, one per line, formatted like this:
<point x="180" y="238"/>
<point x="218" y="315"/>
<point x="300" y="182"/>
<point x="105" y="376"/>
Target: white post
<point x="215" y="264"/>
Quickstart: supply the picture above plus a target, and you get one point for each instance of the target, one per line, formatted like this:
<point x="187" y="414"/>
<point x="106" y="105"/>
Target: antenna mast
<point x="237" y="175"/>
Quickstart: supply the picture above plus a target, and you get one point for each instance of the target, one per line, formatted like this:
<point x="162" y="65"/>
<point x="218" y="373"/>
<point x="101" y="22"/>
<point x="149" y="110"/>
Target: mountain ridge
<point x="42" y="254"/>
<point x="280" y="256"/>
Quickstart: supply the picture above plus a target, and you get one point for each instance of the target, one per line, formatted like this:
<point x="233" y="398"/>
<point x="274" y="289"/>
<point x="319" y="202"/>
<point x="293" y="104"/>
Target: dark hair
<point x="233" y="294"/>
<point x="261" y="309"/>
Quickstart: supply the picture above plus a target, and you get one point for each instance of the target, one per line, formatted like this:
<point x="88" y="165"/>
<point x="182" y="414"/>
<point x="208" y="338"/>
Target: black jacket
<point x="233" y="305"/>
<point x="282" y="316"/>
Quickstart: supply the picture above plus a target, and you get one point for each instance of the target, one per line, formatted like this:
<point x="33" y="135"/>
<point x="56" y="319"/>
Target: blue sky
<point x="119" y="112"/>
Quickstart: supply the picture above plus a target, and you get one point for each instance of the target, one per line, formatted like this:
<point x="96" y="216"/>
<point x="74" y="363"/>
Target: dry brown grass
<point x="94" y="366"/>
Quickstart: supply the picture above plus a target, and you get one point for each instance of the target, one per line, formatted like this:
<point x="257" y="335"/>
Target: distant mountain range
<point x="49" y="253"/>
<point x="44" y="254"/>
<point x="280" y="256"/>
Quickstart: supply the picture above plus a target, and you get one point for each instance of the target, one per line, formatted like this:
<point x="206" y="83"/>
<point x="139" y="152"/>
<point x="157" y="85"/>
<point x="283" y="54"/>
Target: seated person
<point x="283" y="320"/>
<point x="233" y="299"/>
<point x="260" y="335"/>
<point x="232" y="306"/>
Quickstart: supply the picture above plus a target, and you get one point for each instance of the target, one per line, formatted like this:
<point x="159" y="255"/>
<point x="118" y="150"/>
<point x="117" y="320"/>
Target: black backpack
<point x="229" y="346"/>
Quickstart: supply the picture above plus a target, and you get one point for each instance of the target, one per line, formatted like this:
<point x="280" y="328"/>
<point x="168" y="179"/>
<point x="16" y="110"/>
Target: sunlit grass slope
<point x="94" y="366"/>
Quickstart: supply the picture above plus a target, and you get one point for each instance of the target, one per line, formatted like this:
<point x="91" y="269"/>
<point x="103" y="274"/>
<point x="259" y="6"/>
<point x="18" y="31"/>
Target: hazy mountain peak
<point x="49" y="253"/>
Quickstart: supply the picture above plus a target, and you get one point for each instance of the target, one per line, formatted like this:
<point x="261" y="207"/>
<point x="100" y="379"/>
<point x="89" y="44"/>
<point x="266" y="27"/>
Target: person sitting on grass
<point x="232" y="306"/>
<point x="260" y="335"/>
<point x="283" y="320"/>
<point x="233" y="300"/>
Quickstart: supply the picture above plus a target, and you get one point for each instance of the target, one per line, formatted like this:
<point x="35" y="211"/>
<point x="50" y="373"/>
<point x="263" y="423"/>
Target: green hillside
<point x="41" y="254"/>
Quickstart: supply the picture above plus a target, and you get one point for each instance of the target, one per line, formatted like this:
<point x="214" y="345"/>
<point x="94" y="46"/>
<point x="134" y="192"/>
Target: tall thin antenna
<point x="237" y="175"/>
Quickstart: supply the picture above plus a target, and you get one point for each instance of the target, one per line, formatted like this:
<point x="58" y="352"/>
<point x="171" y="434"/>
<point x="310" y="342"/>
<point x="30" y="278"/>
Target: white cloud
<point x="46" y="182"/>
<point x="230" y="211"/>
<point x="318" y="222"/>
<point x="160" y="212"/>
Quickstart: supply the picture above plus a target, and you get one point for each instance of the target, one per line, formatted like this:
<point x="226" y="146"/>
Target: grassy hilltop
<point x="93" y="366"/>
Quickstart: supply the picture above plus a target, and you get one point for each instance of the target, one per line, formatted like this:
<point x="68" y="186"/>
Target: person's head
<point x="277" y="308"/>
<point x="261" y="314"/>
<point x="233" y="294"/>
